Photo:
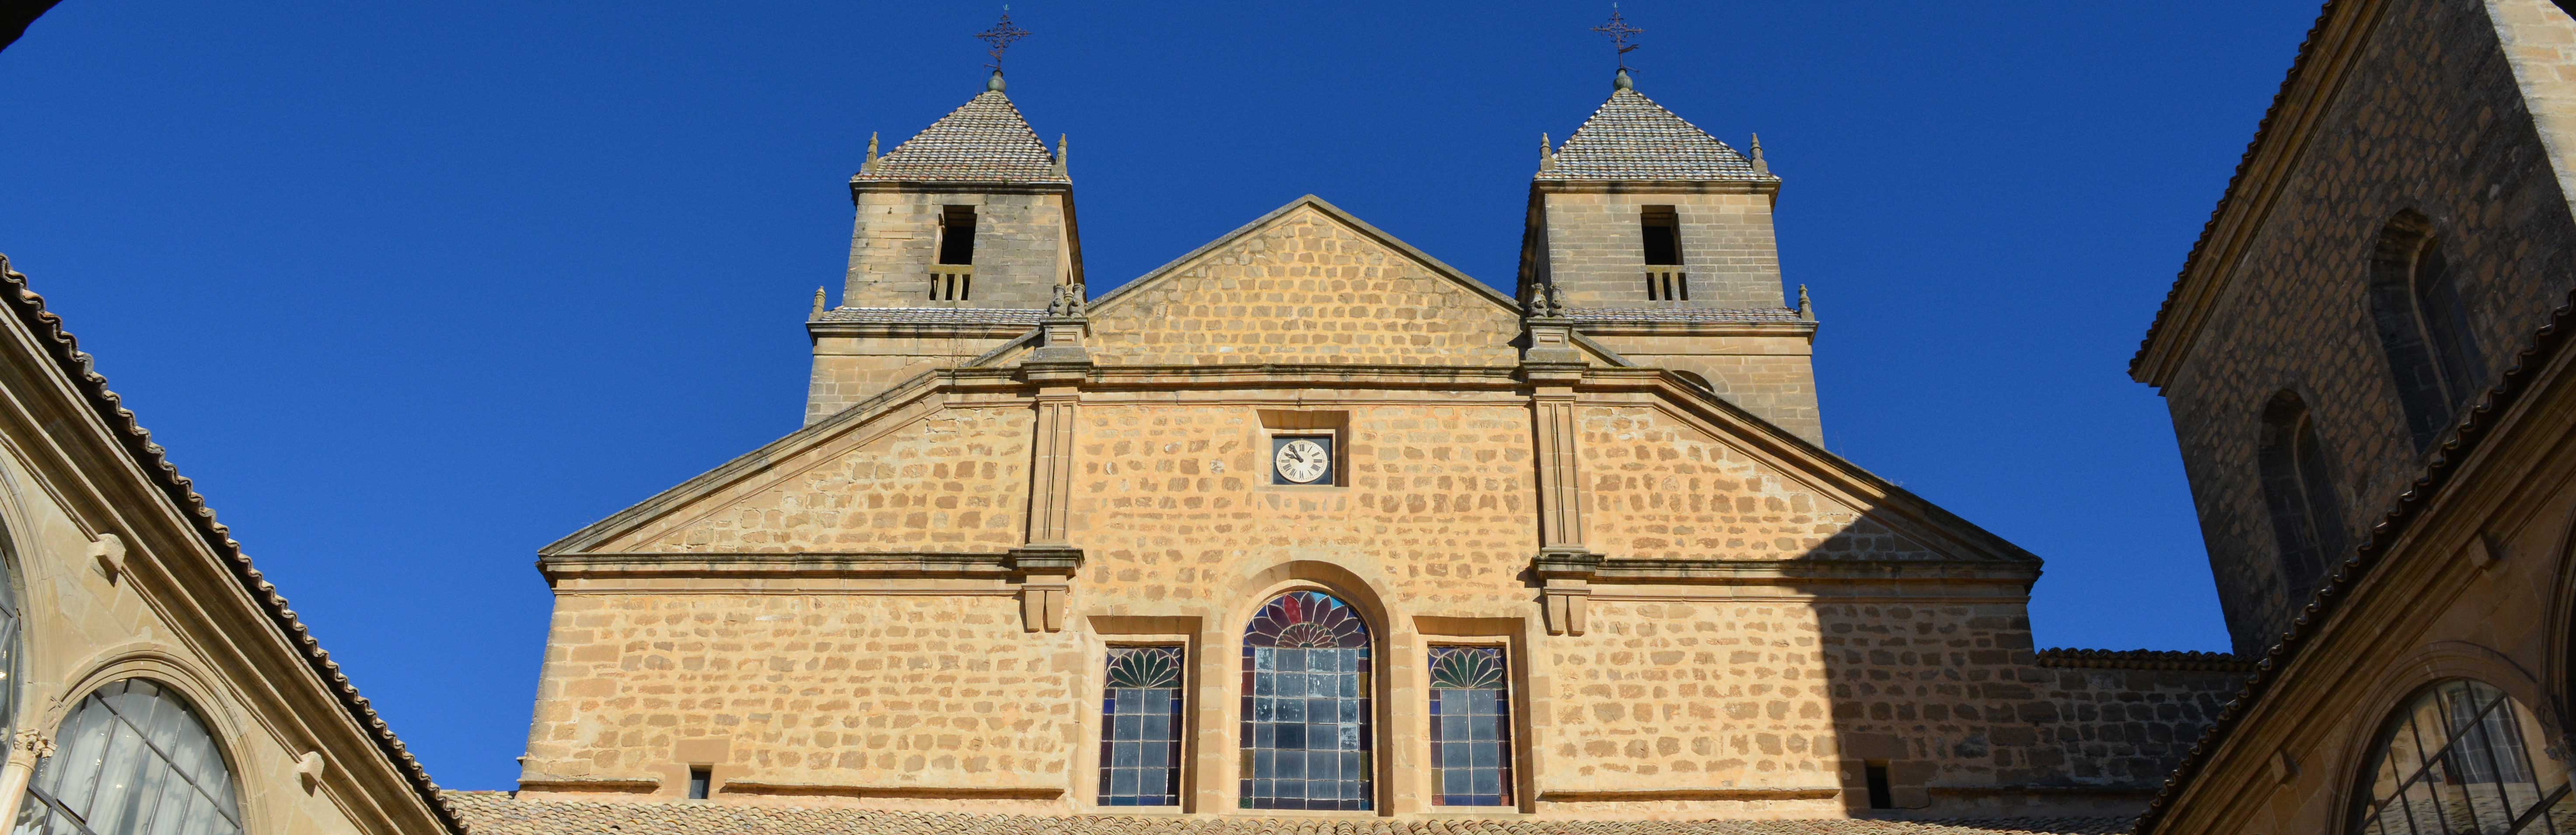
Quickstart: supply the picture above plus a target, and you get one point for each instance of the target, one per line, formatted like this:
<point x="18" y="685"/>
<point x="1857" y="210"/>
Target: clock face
<point x="1301" y="460"/>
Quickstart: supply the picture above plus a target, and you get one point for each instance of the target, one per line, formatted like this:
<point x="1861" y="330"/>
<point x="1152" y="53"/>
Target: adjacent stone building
<point x="1306" y="525"/>
<point x="2365" y="361"/>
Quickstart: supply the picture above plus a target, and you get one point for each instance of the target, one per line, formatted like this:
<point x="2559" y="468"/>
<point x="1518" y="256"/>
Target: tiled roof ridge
<point x="2143" y="659"/>
<point x="1627" y="126"/>
<point x="964" y="315"/>
<point x="2472" y="428"/>
<point x="1683" y="314"/>
<point x="79" y="367"/>
<point x="645" y="817"/>
<point x="2226" y="198"/>
<point x="984" y="140"/>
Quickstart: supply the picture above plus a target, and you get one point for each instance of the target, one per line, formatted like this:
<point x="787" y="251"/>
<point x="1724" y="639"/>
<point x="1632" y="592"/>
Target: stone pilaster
<point x="1045" y="567"/>
<point x="1553" y="365"/>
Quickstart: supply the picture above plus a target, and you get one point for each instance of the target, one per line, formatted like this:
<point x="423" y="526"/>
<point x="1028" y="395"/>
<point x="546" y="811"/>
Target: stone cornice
<point x="225" y="606"/>
<point x="1598" y="569"/>
<point x="2325" y="58"/>
<point x="812" y="564"/>
<point x="1802" y="330"/>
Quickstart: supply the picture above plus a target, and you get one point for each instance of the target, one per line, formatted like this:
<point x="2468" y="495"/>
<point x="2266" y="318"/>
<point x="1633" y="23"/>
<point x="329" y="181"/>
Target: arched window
<point x="1306" y="706"/>
<point x="132" y="758"/>
<point x="2459" y="758"/>
<point x="2423" y="326"/>
<point x="2298" y="488"/>
<point x="8" y="650"/>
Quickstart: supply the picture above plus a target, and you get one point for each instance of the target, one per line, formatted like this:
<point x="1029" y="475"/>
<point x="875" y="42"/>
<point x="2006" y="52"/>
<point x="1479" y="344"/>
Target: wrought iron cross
<point x="1001" y="36"/>
<point x="1619" y="32"/>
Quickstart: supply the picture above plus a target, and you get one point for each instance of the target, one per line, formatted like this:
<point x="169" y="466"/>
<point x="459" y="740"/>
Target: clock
<point x="1301" y="460"/>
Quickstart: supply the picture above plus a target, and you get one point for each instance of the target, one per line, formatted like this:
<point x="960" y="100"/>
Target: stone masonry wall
<point x="1781" y="693"/>
<point x="957" y="481"/>
<point x="1175" y="503"/>
<point x="1305" y="290"/>
<point x="1595" y="249"/>
<point x="850" y="369"/>
<point x="1019" y="249"/>
<point x="1434" y="519"/>
<point x="2430" y="121"/>
<point x="1772" y="377"/>
<point x="824" y="690"/>
<point x="1659" y="488"/>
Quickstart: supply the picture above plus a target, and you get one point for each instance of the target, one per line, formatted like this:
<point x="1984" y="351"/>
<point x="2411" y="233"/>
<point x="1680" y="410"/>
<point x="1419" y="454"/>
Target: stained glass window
<point x="1471" y="727"/>
<point x="1306" y="705"/>
<point x="1140" y="728"/>
<point x="2460" y="758"/>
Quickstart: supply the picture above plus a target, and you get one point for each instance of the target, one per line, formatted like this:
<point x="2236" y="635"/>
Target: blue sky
<point x="412" y="289"/>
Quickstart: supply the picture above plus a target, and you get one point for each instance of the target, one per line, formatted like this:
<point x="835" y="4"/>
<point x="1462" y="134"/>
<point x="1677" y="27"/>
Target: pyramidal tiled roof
<point x="983" y="141"/>
<point x="1632" y="138"/>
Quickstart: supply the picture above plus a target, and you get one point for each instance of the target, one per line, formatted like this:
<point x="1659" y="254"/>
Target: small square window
<point x="701" y="779"/>
<point x="1301" y="460"/>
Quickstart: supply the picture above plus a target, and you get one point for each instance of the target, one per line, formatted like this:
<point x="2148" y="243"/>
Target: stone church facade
<point x="1307" y="523"/>
<point x="1306" y="531"/>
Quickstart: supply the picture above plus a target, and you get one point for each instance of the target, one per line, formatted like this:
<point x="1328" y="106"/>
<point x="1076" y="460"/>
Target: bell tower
<point x="961" y="236"/>
<point x="1657" y="237"/>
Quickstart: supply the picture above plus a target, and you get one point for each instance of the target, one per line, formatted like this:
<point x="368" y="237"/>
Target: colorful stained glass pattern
<point x="1471" y="727"/>
<point x="1140" y="727"/>
<point x="2460" y="758"/>
<point x="1306" y="715"/>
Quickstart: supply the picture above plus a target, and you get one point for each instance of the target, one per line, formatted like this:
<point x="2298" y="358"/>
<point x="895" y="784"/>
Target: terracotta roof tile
<point x="935" y="315"/>
<point x="499" y="813"/>
<point x="1682" y="314"/>
<point x="983" y="141"/>
<point x="148" y="456"/>
<point x="1632" y="138"/>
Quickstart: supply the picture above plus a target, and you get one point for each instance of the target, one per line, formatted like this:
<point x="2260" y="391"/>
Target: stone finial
<point x="871" y="164"/>
<point x="1760" y="166"/>
<point x="1546" y="153"/>
<point x="818" y="302"/>
<point x="993" y="84"/>
<point x="1622" y="81"/>
<point x="1545" y="302"/>
<point x="1067" y="301"/>
<point x="1059" y="154"/>
<point x="1806" y="310"/>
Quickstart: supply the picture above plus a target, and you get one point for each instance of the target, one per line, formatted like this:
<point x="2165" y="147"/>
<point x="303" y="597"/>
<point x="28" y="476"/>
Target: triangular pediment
<point x="1307" y="283"/>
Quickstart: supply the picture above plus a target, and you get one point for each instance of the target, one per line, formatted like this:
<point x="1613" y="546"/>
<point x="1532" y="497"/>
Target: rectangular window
<point x="1471" y="727"/>
<point x="957" y="235"/>
<point x="1140" y="727"/>
<point x="1879" y="796"/>
<point x="700" y="779"/>
<point x="1663" y="236"/>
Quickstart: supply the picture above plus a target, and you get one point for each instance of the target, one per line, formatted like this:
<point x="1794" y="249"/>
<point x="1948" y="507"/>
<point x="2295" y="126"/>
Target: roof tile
<point x="983" y="141"/>
<point x="1630" y="137"/>
<point x="500" y="813"/>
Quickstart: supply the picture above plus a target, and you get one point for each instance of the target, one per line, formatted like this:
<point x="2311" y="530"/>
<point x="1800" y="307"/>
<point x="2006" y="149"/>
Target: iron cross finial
<point x="1619" y="32"/>
<point x="1001" y="36"/>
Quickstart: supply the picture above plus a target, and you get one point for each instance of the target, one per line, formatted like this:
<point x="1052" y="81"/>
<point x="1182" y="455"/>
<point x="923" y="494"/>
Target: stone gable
<point x="957" y="479"/>
<point x="1303" y="286"/>
<point x="1661" y="488"/>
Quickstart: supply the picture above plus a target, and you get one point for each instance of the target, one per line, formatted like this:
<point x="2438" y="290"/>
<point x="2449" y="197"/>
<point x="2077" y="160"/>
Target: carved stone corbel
<point x="1045" y="574"/>
<point x="1565" y="586"/>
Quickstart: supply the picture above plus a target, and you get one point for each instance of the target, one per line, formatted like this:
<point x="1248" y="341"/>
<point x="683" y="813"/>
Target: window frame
<point x="1370" y="668"/>
<point x="230" y="802"/>
<point x="2364" y="808"/>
